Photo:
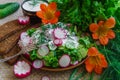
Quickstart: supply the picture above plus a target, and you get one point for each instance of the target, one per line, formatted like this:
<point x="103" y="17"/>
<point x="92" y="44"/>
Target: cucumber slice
<point x="42" y="51"/>
<point x="71" y="44"/>
<point x="52" y="46"/>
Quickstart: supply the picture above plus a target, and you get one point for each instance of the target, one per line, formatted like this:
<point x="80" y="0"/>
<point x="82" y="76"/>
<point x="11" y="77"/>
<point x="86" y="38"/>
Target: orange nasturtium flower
<point x="103" y="31"/>
<point x="48" y="13"/>
<point x="95" y="61"/>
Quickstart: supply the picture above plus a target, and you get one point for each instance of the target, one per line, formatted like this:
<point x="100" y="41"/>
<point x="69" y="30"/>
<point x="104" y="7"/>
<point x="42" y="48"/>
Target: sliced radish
<point x="59" y="33"/>
<point x="37" y="64"/>
<point x="45" y="78"/>
<point x="75" y="63"/>
<point x="22" y="69"/>
<point x="25" y="39"/>
<point x="68" y="25"/>
<point x="43" y="50"/>
<point x="58" y="42"/>
<point x="64" y="61"/>
<point x="23" y="35"/>
<point x="23" y="20"/>
<point x="27" y="55"/>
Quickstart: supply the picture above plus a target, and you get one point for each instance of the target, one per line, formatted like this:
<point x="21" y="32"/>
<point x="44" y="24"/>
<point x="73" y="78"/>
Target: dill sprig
<point x="35" y="2"/>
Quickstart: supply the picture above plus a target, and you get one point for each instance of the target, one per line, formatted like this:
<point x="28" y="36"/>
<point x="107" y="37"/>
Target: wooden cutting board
<point x="9" y="36"/>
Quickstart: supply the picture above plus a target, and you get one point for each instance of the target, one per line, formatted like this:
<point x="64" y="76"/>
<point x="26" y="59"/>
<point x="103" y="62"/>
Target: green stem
<point x="73" y="73"/>
<point x="110" y="61"/>
<point x="91" y="76"/>
<point x="80" y="75"/>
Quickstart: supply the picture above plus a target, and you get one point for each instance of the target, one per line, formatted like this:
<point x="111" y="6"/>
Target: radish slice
<point x="22" y="69"/>
<point x="37" y="64"/>
<point x="25" y="39"/>
<point x="45" y="78"/>
<point x="75" y="63"/>
<point x="58" y="42"/>
<point x="23" y="35"/>
<point x="64" y="61"/>
<point x="43" y="51"/>
<point x="68" y="25"/>
<point x="59" y="33"/>
<point x="27" y="55"/>
<point x="23" y="20"/>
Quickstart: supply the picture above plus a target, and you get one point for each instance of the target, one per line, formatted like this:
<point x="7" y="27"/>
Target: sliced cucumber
<point x="71" y="44"/>
<point x="52" y="46"/>
<point x="42" y="51"/>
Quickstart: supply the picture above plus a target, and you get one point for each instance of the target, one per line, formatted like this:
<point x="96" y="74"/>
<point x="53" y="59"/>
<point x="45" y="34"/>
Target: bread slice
<point x="9" y="29"/>
<point x="7" y="44"/>
<point x="14" y="51"/>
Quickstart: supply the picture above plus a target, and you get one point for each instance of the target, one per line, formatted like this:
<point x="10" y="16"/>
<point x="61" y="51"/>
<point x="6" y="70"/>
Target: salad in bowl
<point x="54" y="46"/>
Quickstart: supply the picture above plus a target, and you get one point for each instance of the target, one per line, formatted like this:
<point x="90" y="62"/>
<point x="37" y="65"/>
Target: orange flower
<point x="103" y="31"/>
<point x="95" y="61"/>
<point x="48" y="13"/>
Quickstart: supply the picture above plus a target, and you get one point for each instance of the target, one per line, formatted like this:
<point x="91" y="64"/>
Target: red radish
<point x="37" y="64"/>
<point x="75" y="63"/>
<point x="58" y="42"/>
<point x="23" y="35"/>
<point x="45" y="78"/>
<point x="25" y="39"/>
<point x="22" y="69"/>
<point x="64" y="61"/>
<point x="43" y="50"/>
<point x="23" y="20"/>
<point x="27" y="55"/>
<point x="68" y="24"/>
<point x="59" y="33"/>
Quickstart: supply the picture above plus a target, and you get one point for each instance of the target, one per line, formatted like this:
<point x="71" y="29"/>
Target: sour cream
<point x="33" y="8"/>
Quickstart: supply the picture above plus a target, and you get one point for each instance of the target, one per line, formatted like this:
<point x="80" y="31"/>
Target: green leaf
<point x="31" y="31"/>
<point x="33" y="54"/>
<point x="73" y="74"/>
<point x="51" y="61"/>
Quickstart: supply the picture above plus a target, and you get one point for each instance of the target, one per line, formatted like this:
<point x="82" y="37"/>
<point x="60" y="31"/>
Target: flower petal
<point x="92" y="51"/>
<point x="45" y="21"/>
<point x="103" y="61"/>
<point x="40" y="14"/>
<point x="103" y="40"/>
<point x="52" y="6"/>
<point x="54" y="20"/>
<point x="101" y="23"/>
<point x="57" y="13"/>
<point x="110" y="23"/>
<point x="95" y="36"/>
<point x="111" y="34"/>
<point x="43" y="7"/>
<point x="93" y="27"/>
<point x="89" y="67"/>
<point x="98" y="69"/>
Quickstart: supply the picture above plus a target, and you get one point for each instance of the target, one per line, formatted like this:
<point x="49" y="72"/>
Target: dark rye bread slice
<point x="7" y="44"/>
<point x="9" y="29"/>
<point x="14" y="51"/>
